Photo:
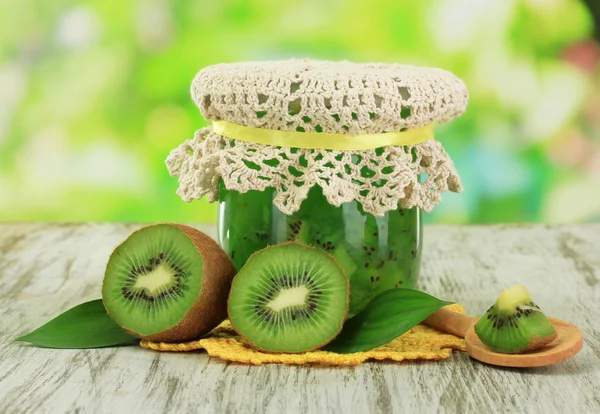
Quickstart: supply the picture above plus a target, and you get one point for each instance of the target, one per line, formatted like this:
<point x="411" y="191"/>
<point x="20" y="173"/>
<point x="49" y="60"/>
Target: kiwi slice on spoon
<point x="289" y="298"/>
<point x="515" y="324"/>
<point x="167" y="283"/>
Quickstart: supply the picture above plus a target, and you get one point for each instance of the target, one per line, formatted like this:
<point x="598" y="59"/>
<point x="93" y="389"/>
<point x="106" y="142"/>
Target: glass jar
<point x="291" y="140"/>
<point x="377" y="253"/>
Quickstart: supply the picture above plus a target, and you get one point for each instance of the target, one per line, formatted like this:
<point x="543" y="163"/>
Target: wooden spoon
<point x="567" y="344"/>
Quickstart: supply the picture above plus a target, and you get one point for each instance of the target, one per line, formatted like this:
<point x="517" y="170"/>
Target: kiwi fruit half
<point x="167" y="283"/>
<point x="515" y="324"/>
<point x="289" y="298"/>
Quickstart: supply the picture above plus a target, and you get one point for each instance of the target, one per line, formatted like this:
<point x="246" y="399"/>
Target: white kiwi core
<point x="155" y="280"/>
<point x="289" y="297"/>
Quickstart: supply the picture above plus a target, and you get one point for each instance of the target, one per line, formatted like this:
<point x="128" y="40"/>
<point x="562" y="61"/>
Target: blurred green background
<point x="94" y="95"/>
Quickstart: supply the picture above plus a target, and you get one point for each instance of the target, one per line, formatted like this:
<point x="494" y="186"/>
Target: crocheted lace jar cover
<point x="339" y="97"/>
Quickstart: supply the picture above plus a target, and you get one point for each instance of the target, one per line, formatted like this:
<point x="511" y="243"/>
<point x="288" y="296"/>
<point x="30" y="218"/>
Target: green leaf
<point x="84" y="326"/>
<point x="386" y="317"/>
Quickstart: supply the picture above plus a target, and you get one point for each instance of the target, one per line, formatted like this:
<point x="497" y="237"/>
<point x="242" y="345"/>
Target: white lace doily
<point x="338" y="97"/>
<point x="380" y="180"/>
<point x="341" y="97"/>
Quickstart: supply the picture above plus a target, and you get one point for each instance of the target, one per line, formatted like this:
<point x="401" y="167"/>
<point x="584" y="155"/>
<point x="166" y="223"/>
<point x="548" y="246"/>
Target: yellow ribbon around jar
<point x="322" y="140"/>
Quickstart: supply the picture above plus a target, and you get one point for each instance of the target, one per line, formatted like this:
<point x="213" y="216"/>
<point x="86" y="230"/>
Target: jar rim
<point x="381" y="179"/>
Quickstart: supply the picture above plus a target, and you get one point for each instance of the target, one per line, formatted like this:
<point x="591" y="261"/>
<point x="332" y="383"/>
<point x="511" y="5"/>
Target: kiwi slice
<point x="389" y="255"/>
<point x="289" y="298"/>
<point x="167" y="283"/>
<point x="306" y="232"/>
<point x="515" y="324"/>
<point x="246" y="222"/>
<point x="376" y="253"/>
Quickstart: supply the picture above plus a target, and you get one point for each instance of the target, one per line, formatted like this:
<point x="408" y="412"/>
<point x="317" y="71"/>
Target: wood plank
<point x="48" y="268"/>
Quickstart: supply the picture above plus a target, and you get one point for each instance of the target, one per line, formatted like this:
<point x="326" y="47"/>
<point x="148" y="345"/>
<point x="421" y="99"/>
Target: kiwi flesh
<point x="515" y="324"/>
<point x="246" y="222"/>
<point x="376" y="253"/>
<point x="289" y="298"/>
<point x="390" y="255"/>
<point x="167" y="283"/>
<point x="305" y="232"/>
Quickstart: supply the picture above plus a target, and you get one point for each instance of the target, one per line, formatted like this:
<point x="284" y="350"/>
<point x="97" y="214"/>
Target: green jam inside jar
<point x="377" y="253"/>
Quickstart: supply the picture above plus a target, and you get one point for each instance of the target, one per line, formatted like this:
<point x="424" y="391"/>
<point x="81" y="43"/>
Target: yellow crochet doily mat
<point x="421" y="342"/>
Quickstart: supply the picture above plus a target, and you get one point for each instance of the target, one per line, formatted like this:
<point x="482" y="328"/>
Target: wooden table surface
<point x="46" y="269"/>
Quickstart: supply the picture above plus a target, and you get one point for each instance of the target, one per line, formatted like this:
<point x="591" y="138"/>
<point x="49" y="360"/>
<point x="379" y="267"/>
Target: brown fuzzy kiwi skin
<point x="210" y="308"/>
<point x="318" y="346"/>
<point x="537" y="342"/>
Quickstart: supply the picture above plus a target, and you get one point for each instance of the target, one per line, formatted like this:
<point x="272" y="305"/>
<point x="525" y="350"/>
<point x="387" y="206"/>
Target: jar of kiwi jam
<point x="376" y="253"/>
<point x="337" y="155"/>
